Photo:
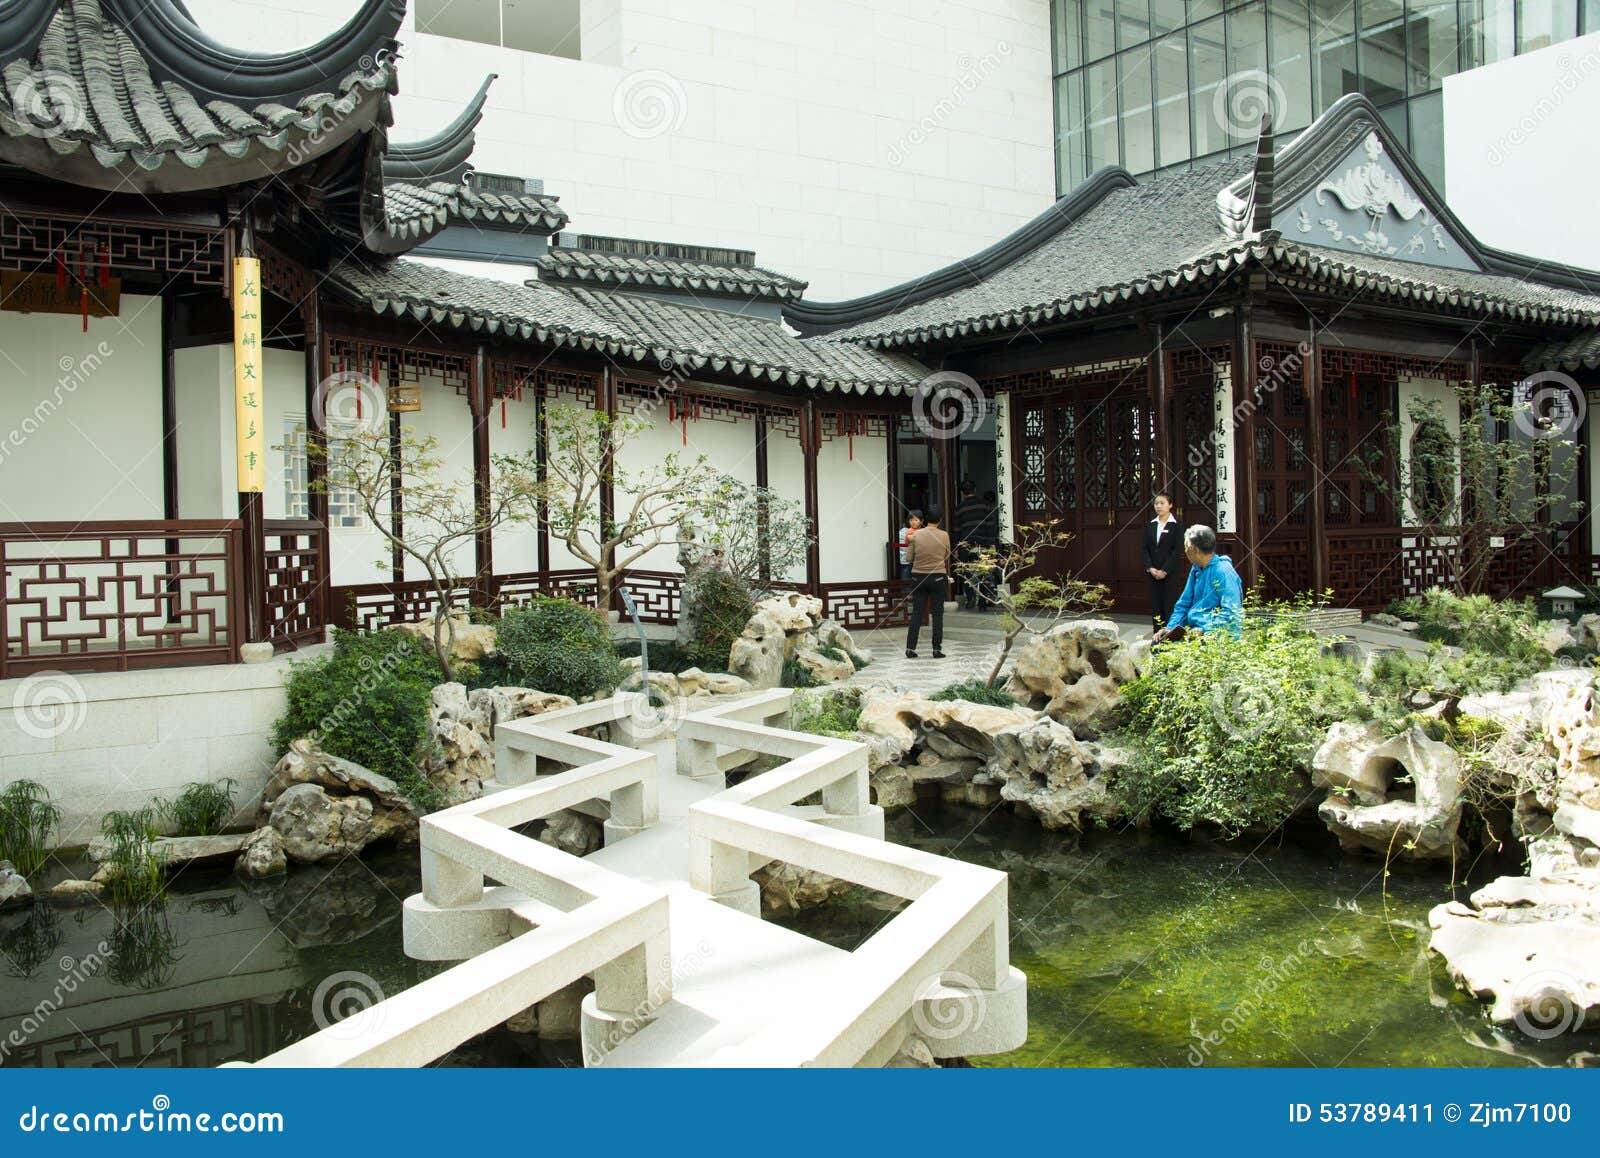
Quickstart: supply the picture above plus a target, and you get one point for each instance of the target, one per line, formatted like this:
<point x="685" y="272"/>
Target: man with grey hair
<point x="1213" y="598"/>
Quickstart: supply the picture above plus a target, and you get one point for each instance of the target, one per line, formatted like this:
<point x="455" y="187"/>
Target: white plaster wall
<point x="855" y="143"/>
<point x="446" y="418"/>
<point x="1426" y="390"/>
<point x="516" y="545"/>
<point x="80" y="415"/>
<point x="203" y="377"/>
<point x="852" y="508"/>
<point x="786" y="475"/>
<point x="562" y="559"/>
<point x="1518" y="160"/>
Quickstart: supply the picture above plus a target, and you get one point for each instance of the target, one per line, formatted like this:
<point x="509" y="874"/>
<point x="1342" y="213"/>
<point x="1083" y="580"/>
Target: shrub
<point x="975" y="692"/>
<point x="1392" y="679"/>
<point x="719" y="604"/>
<point x="366" y="702"/>
<point x="796" y="676"/>
<point x="665" y="655"/>
<point x="27" y="823"/>
<point x="200" y="809"/>
<point x="1223" y="727"/>
<point x="830" y="713"/>
<point x="559" y="646"/>
<point x="136" y="873"/>
<point x="1505" y="627"/>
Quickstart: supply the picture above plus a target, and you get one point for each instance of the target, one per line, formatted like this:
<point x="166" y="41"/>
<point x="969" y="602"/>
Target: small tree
<point x="1050" y="599"/>
<point x="1497" y="479"/>
<point x="585" y="447"/>
<point x="439" y="516"/>
<point x="750" y="531"/>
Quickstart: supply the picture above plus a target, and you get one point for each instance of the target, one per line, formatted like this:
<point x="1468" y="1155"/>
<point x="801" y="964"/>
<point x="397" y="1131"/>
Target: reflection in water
<point x="1140" y="950"/>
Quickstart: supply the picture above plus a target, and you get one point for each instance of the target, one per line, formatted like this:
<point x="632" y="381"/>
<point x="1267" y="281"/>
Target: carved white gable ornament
<point x="1374" y="191"/>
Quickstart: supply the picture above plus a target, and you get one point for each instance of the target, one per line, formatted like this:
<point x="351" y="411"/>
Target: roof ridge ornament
<point x="446" y="155"/>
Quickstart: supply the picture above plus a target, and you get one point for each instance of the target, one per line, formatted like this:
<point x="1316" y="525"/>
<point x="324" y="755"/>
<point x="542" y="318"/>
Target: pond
<point x="1140" y="950"/>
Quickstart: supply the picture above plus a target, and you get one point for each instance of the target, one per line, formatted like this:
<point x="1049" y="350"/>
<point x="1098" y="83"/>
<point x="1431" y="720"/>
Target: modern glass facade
<point x="1155" y="84"/>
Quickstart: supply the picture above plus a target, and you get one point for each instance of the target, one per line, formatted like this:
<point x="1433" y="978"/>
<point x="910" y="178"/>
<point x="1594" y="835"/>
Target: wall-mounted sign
<point x="249" y="414"/>
<point x="46" y="293"/>
<point x="405" y="398"/>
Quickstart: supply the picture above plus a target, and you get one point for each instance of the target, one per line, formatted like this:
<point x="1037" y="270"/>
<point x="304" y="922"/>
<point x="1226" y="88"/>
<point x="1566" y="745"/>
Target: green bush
<point x="719" y="604"/>
<point x="1393" y="678"/>
<point x="200" y="809"/>
<point x="136" y="873"/>
<point x="796" y="676"/>
<point x="832" y="713"/>
<point x="1505" y="627"/>
<point x="28" y="820"/>
<point x="366" y="702"/>
<point x="559" y="646"/>
<point x="1223" y="727"/>
<point x="975" y="692"/>
<point x="665" y="655"/>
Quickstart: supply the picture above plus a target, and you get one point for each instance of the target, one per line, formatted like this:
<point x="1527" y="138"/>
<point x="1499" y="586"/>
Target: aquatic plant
<point x="28" y="821"/>
<point x="131" y="862"/>
<point x="200" y="809"/>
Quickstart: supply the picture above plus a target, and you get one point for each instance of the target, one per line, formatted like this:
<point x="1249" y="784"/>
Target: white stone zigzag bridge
<point x="666" y="919"/>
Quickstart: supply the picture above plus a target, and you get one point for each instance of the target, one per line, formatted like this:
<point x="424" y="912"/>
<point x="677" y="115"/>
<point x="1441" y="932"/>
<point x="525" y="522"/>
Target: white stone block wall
<point x="854" y="143"/>
<point x="130" y="737"/>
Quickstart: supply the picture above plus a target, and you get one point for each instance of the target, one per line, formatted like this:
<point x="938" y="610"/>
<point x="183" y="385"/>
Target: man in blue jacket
<point x="1213" y="598"/>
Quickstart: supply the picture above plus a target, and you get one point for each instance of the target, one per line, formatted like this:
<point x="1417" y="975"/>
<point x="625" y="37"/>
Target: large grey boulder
<point x="263" y="855"/>
<point x="324" y="806"/>
<point x="14" y="888"/>
<point x="1075" y="671"/>
<point x="1341" y="762"/>
<point x="1409" y="804"/>
<point x="791" y="626"/>
<point x="572" y="832"/>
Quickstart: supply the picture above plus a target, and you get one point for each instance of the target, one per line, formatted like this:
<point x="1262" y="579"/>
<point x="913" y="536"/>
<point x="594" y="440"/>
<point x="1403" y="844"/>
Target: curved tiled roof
<point x="89" y="105"/>
<point x="628" y="326"/>
<point x="600" y="268"/>
<point x="416" y="212"/>
<point x="1578" y="353"/>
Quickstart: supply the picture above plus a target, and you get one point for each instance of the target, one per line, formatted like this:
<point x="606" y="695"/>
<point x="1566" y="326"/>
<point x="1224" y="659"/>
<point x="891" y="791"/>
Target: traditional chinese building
<point x="213" y="258"/>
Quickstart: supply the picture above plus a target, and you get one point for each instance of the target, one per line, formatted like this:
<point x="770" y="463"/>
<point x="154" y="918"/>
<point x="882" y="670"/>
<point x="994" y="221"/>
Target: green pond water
<point x="1144" y="950"/>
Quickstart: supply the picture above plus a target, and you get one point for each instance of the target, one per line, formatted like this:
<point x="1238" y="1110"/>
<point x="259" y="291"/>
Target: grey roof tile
<point x="624" y="325"/>
<point x="600" y="268"/>
<point x="417" y="211"/>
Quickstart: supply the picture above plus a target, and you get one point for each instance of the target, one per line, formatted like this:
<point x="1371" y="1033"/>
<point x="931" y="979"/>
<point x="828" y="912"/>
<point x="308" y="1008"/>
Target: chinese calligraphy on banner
<point x="1222" y="422"/>
<point x="250" y="428"/>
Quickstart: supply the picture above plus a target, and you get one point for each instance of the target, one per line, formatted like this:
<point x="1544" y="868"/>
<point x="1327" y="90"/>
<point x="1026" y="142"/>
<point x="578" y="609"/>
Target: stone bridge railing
<point x="554" y="917"/>
<point x="940" y="968"/>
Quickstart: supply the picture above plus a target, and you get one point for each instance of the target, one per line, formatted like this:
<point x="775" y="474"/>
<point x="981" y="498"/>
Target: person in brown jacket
<point x="929" y="557"/>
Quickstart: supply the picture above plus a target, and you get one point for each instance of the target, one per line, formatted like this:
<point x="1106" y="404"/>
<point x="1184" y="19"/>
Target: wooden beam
<point x="479" y="401"/>
<point x="763" y="516"/>
<point x="1244" y="387"/>
<point x="1311" y="376"/>
<point x="317" y="465"/>
<point x="810" y="444"/>
<point x="606" y="403"/>
<point x="397" y="516"/>
<point x="1156" y="373"/>
<point x="169" y="409"/>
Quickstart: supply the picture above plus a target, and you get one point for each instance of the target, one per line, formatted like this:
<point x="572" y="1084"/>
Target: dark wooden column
<point x="1244" y="401"/>
<point x="810" y="443"/>
<point x="169" y="410"/>
<point x="763" y="520"/>
<point x="1315" y="466"/>
<point x="541" y="456"/>
<point x="317" y="464"/>
<point x="606" y="403"/>
<point x="252" y="507"/>
<point x="480" y="399"/>
<point x="1156" y="376"/>
<point x="891" y="555"/>
<point x="397" y="490"/>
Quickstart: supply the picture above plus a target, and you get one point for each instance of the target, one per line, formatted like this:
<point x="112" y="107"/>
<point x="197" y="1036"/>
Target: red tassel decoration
<point x="61" y="273"/>
<point x="105" y="265"/>
<point x="83" y="306"/>
<point x="502" y="412"/>
<point x="1352" y="386"/>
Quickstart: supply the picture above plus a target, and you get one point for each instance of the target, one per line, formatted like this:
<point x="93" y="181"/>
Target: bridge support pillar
<point x="447" y="883"/>
<point x="722" y="871"/>
<point x="627" y="993"/>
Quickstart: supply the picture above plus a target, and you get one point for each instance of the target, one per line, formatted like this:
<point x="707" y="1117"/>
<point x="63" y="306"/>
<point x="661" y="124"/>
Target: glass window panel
<point x="1290" y="41"/>
<point x="1591" y="17"/>
<point x="477" y="20"/>
<point x="1100" y="92"/>
<point x="1203" y="9"/>
<point x="1395" y="117"/>
<point x="1247" y="71"/>
<point x="1068" y="23"/>
<point x="1133" y="22"/>
<point x="1208" y="65"/>
<point x="1426" y="114"/>
<point x="1099" y="28"/>
<point x="1383" y="50"/>
<point x="1494" y="30"/>
<point x="546" y="26"/>
<point x="1138" y="121"/>
<point x="1167" y="16"/>
<point x="1541" y="23"/>
<point x="1333" y="30"/>
<point x="1071" y="167"/>
<point x="1172" y="99"/>
<point x="1431" y="35"/>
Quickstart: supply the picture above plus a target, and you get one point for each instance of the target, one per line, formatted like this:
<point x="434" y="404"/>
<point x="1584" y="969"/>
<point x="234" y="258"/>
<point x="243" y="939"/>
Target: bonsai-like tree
<point x="750" y="531"/>
<point x="584" y="448"/>
<point x="1467" y="494"/>
<point x="439" y="516"/>
<point x="1008" y="570"/>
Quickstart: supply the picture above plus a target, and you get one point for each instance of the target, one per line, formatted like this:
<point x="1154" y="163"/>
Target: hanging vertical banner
<point x="250" y="427"/>
<point x="1223" y="421"/>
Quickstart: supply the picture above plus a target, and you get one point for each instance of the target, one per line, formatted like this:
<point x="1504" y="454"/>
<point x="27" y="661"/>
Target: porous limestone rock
<point x="757" y="655"/>
<point x="791" y="626"/>
<point x="461" y="758"/>
<point x="1059" y="779"/>
<point x="263" y="855"/>
<point x="787" y="889"/>
<point x="472" y="642"/>
<point x="1418" y="822"/>
<point x="824" y="668"/>
<point x="73" y="891"/>
<point x="176" y="851"/>
<point x="914" y="1054"/>
<point x="572" y="832"/>
<point x="334" y="806"/>
<point x="1530" y="945"/>
<point x="14" y="888"/>
<point x="1341" y="762"/>
<point x="1555" y="635"/>
<point x="1075" y="671"/>
<point x="831" y="633"/>
<point x="1587" y="631"/>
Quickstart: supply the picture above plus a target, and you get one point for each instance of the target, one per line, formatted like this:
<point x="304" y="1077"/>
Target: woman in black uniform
<point x="1164" y="563"/>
